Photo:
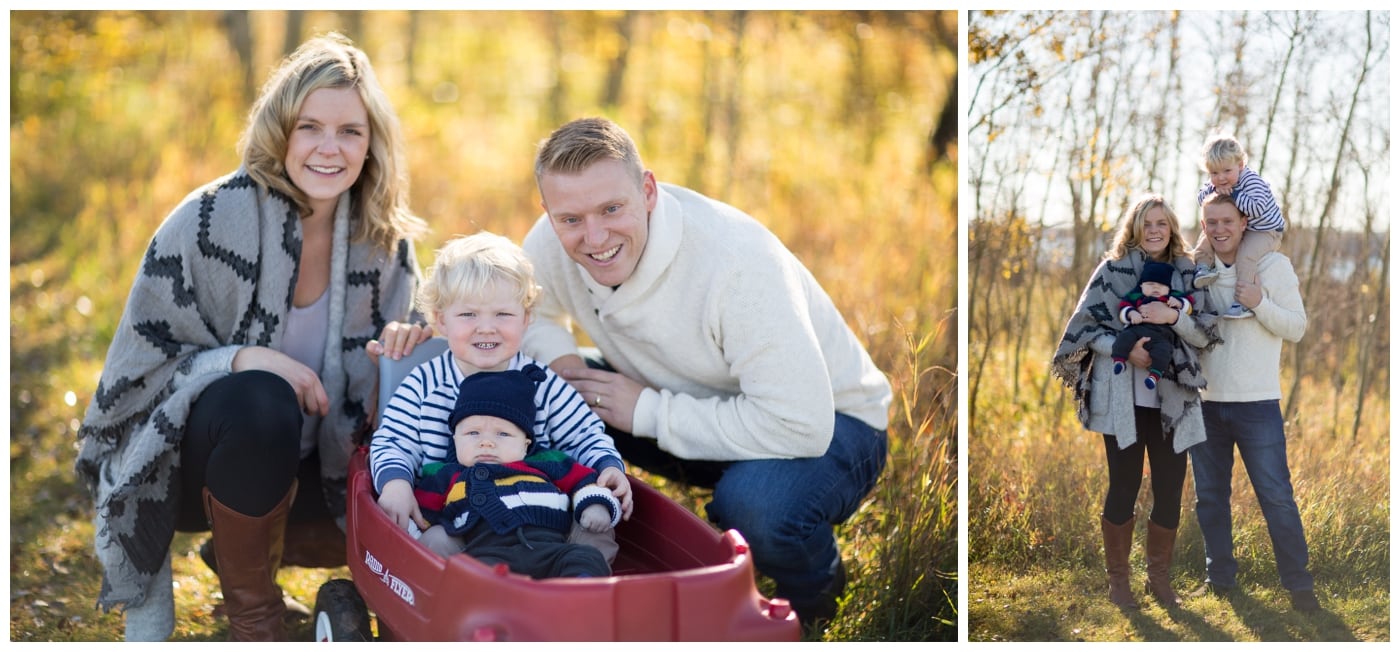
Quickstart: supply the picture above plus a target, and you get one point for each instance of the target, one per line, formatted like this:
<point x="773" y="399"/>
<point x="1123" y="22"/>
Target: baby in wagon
<point x="478" y="294"/>
<point x="501" y="505"/>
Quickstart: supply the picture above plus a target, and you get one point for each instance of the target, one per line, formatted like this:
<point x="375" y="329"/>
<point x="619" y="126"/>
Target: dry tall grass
<point x="1036" y="481"/>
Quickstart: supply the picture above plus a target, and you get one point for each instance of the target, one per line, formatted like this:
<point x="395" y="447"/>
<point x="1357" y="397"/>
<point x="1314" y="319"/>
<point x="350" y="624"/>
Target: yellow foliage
<point x="116" y="116"/>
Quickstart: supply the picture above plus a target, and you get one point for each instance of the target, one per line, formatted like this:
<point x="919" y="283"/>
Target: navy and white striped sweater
<point x="1253" y="196"/>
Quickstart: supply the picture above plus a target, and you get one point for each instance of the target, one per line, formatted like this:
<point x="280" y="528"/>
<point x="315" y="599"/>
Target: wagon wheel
<point x="341" y="614"/>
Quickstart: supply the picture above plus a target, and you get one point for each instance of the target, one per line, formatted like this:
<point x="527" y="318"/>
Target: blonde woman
<point x="238" y="375"/>
<point x="1135" y="421"/>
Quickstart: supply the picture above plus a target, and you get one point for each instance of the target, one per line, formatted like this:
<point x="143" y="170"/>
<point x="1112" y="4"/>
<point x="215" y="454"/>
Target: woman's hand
<point x="397" y="340"/>
<point x="398" y="502"/>
<point x="612" y="395"/>
<point x="1139" y="356"/>
<point x="311" y="395"/>
<point x="615" y="480"/>
<point x="1156" y="312"/>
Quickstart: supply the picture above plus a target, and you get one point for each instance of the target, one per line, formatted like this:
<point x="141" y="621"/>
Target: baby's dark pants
<point x="1159" y="347"/>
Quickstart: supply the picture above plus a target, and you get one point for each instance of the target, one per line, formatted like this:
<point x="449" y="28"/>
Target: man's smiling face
<point x="601" y="216"/>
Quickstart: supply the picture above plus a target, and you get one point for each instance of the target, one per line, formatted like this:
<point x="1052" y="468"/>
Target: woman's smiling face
<point x="1156" y="232"/>
<point x="328" y="145"/>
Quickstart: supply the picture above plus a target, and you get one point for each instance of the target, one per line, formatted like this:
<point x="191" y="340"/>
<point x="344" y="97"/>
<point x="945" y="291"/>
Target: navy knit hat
<point x="509" y="395"/>
<point x="1155" y="272"/>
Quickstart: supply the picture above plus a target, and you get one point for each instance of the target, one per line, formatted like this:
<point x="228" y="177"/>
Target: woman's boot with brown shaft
<point x="248" y="550"/>
<point x="1160" y="542"/>
<point x="1117" y="544"/>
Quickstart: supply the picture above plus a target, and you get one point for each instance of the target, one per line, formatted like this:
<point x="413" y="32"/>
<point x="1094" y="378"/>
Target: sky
<point x="1330" y="82"/>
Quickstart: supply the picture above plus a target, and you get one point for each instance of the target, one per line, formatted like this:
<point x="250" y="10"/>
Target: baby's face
<point x="483" y="438"/>
<point x="1155" y="290"/>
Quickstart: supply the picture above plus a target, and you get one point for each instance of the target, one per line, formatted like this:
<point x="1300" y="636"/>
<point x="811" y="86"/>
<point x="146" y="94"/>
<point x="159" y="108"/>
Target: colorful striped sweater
<point x="534" y="491"/>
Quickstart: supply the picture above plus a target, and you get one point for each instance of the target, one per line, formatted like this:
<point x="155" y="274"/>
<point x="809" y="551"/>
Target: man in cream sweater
<point x="1241" y="409"/>
<point x="724" y="363"/>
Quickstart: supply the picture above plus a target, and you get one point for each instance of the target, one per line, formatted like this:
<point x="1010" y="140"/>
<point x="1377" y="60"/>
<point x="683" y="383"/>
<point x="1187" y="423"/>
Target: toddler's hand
<point x="616" y="480"/>
<point x="1135" y="317"/>
<point x="398" y="502"/>
<point x="595" y="518"/>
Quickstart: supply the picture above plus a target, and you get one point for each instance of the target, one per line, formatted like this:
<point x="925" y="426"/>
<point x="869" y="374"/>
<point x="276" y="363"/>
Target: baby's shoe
<point x="1118" y="367"/>
<point x="1205" y="276"/>
<point x="1151" y="380"/>
<point x="1238" y="311"/>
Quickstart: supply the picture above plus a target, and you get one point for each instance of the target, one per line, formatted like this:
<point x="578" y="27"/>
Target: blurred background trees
<point x="1076" y="114"/>
<point x="835" y="129"/>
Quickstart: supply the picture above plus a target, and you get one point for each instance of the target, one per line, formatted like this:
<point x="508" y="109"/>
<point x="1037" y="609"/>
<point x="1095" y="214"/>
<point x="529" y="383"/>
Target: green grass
<point x="1070" y="604"/>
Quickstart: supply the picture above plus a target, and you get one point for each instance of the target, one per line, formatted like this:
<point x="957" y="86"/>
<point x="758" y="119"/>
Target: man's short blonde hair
<point x="583" y="142"/>
<point x="468" y="266"/>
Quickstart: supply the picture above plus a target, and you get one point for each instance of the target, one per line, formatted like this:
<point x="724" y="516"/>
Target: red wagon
<point x="676" y="578"/>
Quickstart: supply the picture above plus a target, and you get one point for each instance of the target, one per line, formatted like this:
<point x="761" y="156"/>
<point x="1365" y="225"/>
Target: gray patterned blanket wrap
<point x="1096" y="318"/>
<point x="218" y="275"/>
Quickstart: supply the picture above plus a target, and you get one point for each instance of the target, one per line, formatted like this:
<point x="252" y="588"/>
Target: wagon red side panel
<point x="676" y="578"/>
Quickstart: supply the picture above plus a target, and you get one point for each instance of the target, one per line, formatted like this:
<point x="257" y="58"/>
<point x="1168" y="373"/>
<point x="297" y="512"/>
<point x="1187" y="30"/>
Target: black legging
<point x="1125" y="473"/>
<point x="243" y="440"/>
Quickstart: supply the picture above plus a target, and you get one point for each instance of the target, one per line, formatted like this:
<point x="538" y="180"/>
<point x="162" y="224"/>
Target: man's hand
<point x="397" y="501"/>
<point x="616" y="481"/>
<point x="612" y="396"/>
<point x="1249" y="292"/>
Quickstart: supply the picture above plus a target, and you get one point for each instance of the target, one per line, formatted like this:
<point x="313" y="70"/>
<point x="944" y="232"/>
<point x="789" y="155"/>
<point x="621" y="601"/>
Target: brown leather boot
<point x="1160" y="542"/>
<point x="310" y="544"/>
<point x="248" y="551"/>
<point x="1117" y="544"/>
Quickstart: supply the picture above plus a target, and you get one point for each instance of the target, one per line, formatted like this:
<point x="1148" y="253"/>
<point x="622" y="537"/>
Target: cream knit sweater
<point x="743" y="354"/>
<point x="1246" y="367"/>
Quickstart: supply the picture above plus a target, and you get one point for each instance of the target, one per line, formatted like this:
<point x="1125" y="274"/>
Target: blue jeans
<point x="1257" y="429"/>
<point x="784" y="508"/>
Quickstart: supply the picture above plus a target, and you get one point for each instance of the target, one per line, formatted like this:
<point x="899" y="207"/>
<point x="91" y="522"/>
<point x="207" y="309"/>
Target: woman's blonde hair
<point x="1130" y="230"/>
<point x="379" y="208"/>
<point x="466" y="267"/>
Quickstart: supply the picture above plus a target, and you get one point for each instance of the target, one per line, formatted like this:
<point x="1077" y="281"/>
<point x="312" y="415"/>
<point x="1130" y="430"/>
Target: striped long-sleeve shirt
<point x="1255" y="198"/>
<point x="414" y="429"/>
